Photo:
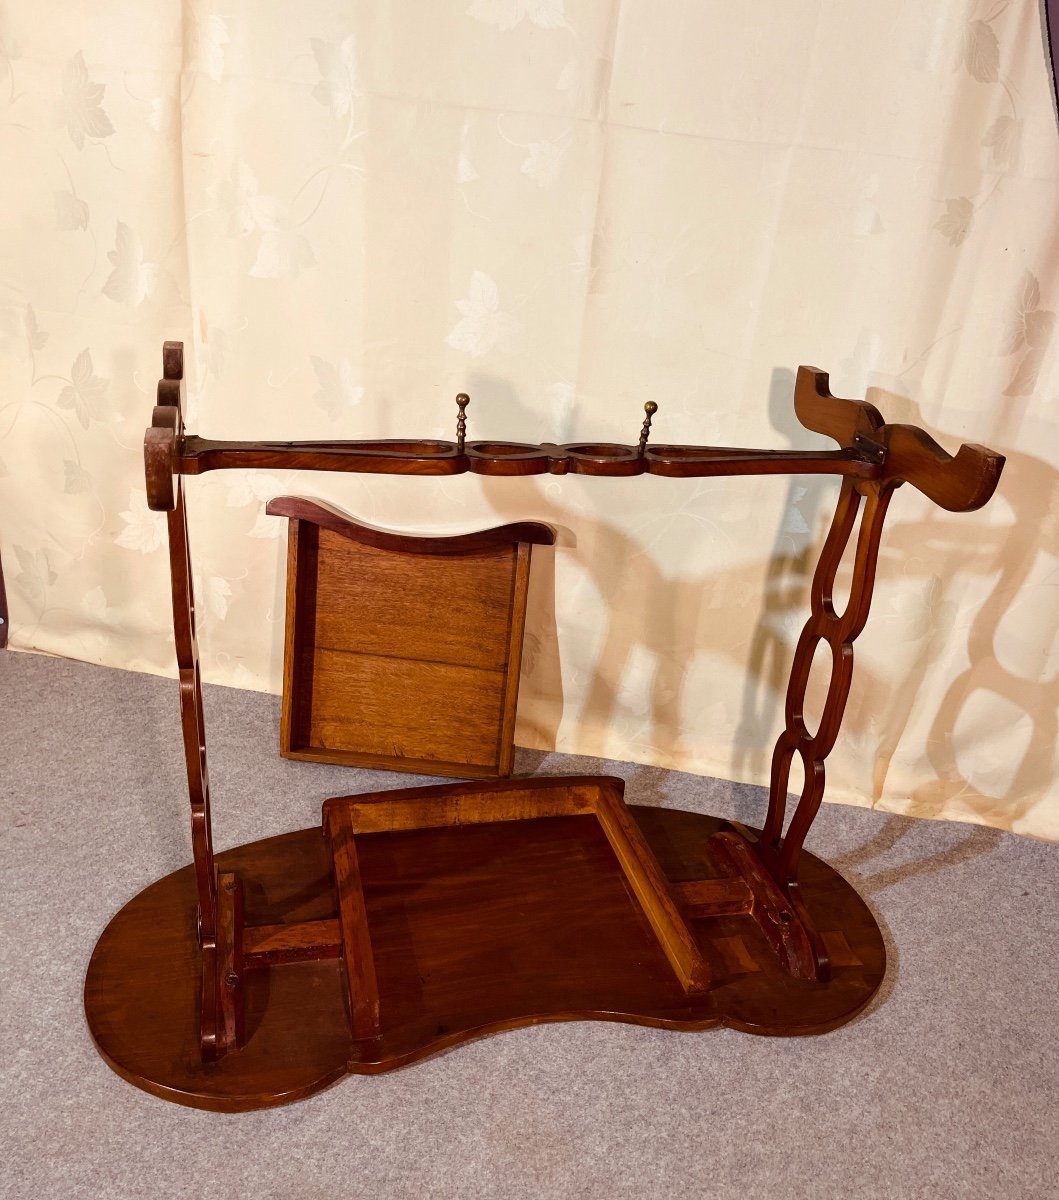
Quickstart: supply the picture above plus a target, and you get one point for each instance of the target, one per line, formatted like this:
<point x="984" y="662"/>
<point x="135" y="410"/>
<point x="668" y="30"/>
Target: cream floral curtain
<point x="351" y="211"/>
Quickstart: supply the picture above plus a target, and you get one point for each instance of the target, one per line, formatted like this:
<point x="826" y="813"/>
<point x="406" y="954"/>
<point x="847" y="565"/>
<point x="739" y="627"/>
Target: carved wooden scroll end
<point x="830" y="415"/>
<point x="172" y="360"/>
<point x="159" y="458"/>
<point x="166" y="429"/>
<point x="960" y="484"/>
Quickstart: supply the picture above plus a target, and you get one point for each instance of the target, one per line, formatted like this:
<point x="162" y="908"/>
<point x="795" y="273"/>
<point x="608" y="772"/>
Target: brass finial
<point x="461" y="421"/>
<point x="650" y="408"/>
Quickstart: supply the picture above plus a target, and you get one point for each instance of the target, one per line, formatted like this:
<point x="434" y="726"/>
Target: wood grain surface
<point x="400" y="653"/>
<point x="475" y="929"/>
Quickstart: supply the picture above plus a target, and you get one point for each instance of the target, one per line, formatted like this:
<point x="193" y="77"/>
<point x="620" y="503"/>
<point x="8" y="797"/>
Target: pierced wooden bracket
<point x="902" y="454"/>
<point x="838" y="630"/>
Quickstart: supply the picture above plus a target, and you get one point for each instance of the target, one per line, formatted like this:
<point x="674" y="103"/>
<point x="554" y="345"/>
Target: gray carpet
<point x="947" y="1086"/>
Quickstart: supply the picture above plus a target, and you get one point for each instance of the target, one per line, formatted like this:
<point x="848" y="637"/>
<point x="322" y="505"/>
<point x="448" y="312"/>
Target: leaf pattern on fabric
<point x="144" y="529"/>
<point x="1029" y="305"/>
<point x="76" y="478"/>
<point x="211" y="39"/>
<point x="36" y="339"/>
<point x="465" y="172"/>
<point x="94" y="604"/>
<point x="794" y="519"/>
<point x="282" y="254"/>
<point x="981" y="52"/>
<point x="338" y="75"/>
<point x="484" y="326"/>
<point x="506" y="14"/>
<point x="70" y="212"/>
<point x="1002" y="137"/>
<point x="337" y="393"/>
<point x="131" y="279"/>
<point x="239" y="198"/>
<point x="257" y="487"/>
<point x="9" y="50"/>
<point x="81" y="106"/>
<point x="569" y="76"/>
<point x="1030" y="334"/>
<point x="86" y="392"/>
<point x="543" y="162"/>
<point x="213" y="347"/>
<point x="35" y="576"/>
<point x="252" y="487"/>
<point x="265" y="527"/>
<point x="955" y="223"/>
<point x="215" y="593"/>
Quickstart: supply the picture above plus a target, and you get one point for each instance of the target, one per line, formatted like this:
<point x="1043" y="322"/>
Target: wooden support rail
<point x="196" y="455"/>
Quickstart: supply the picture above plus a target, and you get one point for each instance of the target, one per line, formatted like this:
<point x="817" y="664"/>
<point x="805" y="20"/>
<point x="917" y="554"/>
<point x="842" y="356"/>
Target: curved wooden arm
<point x="959" y="484"/>
<point x="328" y="517"/>
<point x="907" y="453"/>
<point x="830" y="415"/>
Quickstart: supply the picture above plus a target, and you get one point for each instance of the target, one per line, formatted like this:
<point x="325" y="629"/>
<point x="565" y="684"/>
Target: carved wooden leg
<point x="797" y="942"/>
<point x="212" y="1024"/>
<point x="839" y="630"/>
<point x="217" y="1027"/>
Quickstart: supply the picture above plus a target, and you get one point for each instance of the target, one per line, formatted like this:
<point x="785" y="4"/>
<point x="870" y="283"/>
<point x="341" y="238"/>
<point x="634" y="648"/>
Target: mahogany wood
<point x="362" y="988"/>
<point x="787" y="929"/>
<point x="869" y="450"/>
<point x="300" y="941"/>
<point x="158" y="455"/>
<point x="714" y="897"/>
<point x="231" y="1031"/>
<point x="475" y="929"/>
<point x="402" y="652"/>
<point x="908" y="455"/>
<point x="650" y="888"/>
<point x="327" y="516"/>
<point x="196" y="455"/>
<point x="510" y="800"/>
<point x="469" y="920"/>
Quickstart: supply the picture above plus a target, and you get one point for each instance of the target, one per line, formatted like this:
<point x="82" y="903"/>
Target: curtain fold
<point x="351" y="212"/>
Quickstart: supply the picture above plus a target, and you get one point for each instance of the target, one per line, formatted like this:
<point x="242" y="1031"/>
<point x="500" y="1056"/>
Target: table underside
<point x="474" y="929"/>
